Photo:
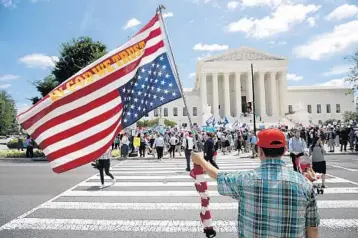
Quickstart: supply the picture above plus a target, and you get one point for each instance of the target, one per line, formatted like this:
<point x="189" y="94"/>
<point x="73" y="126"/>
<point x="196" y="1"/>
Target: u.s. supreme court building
<point x="223" y="86"/>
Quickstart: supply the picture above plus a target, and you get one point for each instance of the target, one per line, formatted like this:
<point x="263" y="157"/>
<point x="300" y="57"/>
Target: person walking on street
<point x="296" y="147"/>
<point x="209" y="149"/>
<point x="173" y="142"/>
<point x="273" y="200"/>
<point x="344" y="139"/>
<point x="105" y="164"/>
<point x="30" y="147"/>
<point x="125" y="146"/>
<point x="330" y="137"/>
<point x="318" y="162"/>
<point x="143" y="145"/>
<point x="189" y="146"/>
<point x="253" y="141"/>
<point x="159" y="146"/>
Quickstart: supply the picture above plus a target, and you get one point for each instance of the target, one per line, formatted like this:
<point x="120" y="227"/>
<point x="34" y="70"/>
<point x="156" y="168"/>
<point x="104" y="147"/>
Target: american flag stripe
<point x="80" y="127"/>
<point x="42" y="116"/>
<point x="151" y="31"/>
<point x="72" y="116"/>
<point x="85" y="138"/>
<point x="98" y="148"/>
<point x="75" y="134"/>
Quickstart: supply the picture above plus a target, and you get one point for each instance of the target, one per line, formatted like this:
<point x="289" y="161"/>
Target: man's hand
<point x="197" y="158"/>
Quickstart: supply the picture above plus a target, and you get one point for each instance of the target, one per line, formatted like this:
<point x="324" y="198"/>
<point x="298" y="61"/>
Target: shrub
<point x="20" y="154"/>
<point x="13" y="144"/>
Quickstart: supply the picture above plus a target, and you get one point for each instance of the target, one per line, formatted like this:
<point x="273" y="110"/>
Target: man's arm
<point x="312" y="217"/>
<point x="290" y="145"/>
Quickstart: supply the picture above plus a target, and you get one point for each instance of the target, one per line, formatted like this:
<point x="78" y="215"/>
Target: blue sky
<point x="314" y="35"/>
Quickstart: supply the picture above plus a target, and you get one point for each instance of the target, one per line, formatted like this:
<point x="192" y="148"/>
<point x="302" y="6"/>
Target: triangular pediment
<point x="243" y="54"/>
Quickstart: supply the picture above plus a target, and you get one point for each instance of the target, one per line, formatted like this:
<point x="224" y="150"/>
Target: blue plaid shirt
<point x="274" y="201"/>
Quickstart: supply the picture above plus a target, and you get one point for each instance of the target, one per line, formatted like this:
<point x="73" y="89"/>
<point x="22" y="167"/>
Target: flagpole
<point x="159" y="9"/>
<point x="253" y="96"/>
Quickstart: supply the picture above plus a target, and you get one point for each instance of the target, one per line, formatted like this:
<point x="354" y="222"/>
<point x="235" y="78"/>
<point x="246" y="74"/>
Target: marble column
<point x="203" y="94"/>
<point x="215" y="96"/>
<point x="273" y="93"/>
<point x="238" y="93"/>
<point x="249" y="87"/>
<point x="227" y="95"/>
<point x="283" y="89"/>
<point x="261" y="83"/>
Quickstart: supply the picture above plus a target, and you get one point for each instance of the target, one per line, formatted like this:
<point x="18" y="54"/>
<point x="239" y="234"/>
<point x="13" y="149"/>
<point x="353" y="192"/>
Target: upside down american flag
<point x="78" y="121"/>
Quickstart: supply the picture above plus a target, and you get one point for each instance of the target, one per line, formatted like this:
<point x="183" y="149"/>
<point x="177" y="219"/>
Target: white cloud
<point x="232" y="5"/>
<point x="268" y="3"/>
<point x="214" y="3"/>
<point x="212" y="47"/>
<point x="22" y="107"/>
<point x="8" y="77"/>
<point x="7" y="3"/>
<point x="343" y="12"/>
<point x="131" y="23"/>
<point x="340" y="39"/>
<point x="282" y="20"/>
<point x="168" y="14"/>
<point x="311" y="21"/>
<point x="5" y="86"/>
<point x="192" y="75"/>
<point x="338" y="70"/>
<point x="279" y="43"/>
<point x="337" y="82"/>
<point x="39" y="61"/>
<point x="294" y="77"/>
<point x="191" y="21"/>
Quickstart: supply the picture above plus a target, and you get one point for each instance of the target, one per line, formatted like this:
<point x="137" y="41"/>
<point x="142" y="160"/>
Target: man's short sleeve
<point x="312" y="215"/>
<point x="229" y="184"/>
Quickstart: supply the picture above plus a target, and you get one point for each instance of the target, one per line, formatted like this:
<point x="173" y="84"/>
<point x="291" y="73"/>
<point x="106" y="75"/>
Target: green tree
<point x="169" y="123"/>
<point x="353" y="74"/>
<point x="8" y="112"/>
<point x="350" y="115"/>
<point x="74" y="55"/>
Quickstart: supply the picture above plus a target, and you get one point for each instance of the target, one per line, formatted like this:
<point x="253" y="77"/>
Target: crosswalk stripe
<point x="174" y="193"/>
<point x="171" y="168"/>
<point x="157" y="177"/>
<point x="176" y="206"/>
<point x="176" y="184"/>
<point x="142" y="225"/>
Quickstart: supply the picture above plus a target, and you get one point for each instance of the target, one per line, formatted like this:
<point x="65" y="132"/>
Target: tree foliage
<point x="155" y="122"/>
<point x="353" y="74"/>
<point x="8" y="112"/>
<point x="74" y="55"/>
<point x="350" y="115"/>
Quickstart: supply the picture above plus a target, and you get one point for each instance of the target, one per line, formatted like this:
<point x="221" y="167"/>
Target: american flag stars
<point x="153" y="85"/>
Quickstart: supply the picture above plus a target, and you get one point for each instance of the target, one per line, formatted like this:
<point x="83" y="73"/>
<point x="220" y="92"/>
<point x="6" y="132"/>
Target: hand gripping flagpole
<point x="198" y="172"/>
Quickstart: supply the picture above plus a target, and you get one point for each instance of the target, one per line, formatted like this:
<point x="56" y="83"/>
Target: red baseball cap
<point x="271" y="138"/>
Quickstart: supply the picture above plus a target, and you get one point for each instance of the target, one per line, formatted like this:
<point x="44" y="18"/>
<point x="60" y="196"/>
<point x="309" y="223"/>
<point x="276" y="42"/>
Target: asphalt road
<point x="150" y="199"/>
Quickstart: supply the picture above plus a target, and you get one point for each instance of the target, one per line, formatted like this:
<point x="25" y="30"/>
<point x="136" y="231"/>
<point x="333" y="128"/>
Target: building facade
<point x="224" y="85"/>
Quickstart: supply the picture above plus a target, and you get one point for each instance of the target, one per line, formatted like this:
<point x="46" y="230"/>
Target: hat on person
<point x="271" y="138"/>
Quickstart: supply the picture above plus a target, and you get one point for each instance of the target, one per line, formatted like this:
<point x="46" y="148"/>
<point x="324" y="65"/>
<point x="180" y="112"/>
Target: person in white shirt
<point x="173" y="142"/>
<point x="159" y="146"/>
<point x="189" y="145"/>
<point x="125" y="146"/>
<point x="105" y="163"/>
